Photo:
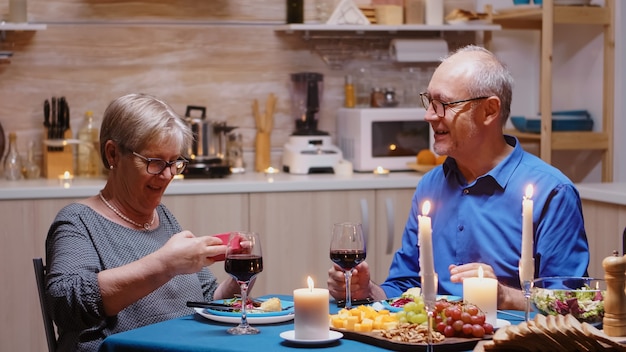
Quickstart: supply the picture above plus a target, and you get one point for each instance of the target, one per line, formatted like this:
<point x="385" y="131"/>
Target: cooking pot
<point x="203" y="147"/>
<point x="209" y="142"/>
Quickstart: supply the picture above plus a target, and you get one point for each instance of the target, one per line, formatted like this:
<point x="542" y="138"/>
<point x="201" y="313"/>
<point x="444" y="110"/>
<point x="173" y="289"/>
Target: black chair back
<point x="40" y="273"/>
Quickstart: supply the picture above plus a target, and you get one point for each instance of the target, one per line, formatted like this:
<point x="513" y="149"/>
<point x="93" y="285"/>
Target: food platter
<point x="450" y="344"/>
<point x="420" y="167"/>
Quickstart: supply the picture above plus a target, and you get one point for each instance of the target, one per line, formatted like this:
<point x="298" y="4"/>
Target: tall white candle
<point x="527" y="265"/>
<point x="427" y="264"/>
<point x="483" y="293"/>
<point x="311" y="312"/>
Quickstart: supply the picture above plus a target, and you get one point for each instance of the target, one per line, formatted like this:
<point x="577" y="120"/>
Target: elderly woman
<point x="119" y="260"/>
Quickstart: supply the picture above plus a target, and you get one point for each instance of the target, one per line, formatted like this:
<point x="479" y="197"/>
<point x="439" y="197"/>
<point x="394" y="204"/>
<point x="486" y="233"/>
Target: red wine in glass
<point x="244" y="261"/>
<point x="243" y="267"/>
<point x="347" y="258"/>
<point x="347" y="250"/>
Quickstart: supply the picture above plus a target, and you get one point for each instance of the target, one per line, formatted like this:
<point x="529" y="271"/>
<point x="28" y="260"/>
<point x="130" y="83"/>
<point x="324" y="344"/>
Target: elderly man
<point x="477" y="194"/>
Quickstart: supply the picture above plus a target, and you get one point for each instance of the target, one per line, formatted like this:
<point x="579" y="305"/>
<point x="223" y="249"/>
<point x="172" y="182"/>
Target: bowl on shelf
<point x="568" y="120"/>
<point x="582" y="297"/>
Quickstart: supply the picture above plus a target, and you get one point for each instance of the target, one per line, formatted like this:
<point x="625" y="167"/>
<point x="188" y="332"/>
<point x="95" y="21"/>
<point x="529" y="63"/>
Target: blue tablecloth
<point x="196" y="333"/>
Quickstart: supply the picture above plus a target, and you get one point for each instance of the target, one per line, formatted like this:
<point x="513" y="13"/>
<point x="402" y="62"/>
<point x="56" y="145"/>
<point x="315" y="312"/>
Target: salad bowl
<point x="582" y="297"/>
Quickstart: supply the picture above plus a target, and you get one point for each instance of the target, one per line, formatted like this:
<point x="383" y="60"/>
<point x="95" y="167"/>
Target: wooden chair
<point x="40" y="273"/>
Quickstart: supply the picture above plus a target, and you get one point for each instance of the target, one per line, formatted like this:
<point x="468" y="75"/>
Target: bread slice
<point x="596" y="334"/>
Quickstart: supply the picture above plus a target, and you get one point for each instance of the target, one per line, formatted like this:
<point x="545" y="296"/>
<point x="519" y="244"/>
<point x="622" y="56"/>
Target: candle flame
<point x="309" y="281"/>
<point x="480" y="272"/>
<point x="426" y="208"/>
<point x="66" y="174"/>
<point x="529" y="192"/>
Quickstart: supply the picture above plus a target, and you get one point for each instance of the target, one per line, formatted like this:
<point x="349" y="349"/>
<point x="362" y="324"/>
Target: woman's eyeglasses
<point x="155" y="166"/>
<point x="440" y="107"/>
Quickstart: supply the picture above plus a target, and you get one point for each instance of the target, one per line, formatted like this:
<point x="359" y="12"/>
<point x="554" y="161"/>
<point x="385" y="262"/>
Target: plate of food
<point x="270" y="311"/>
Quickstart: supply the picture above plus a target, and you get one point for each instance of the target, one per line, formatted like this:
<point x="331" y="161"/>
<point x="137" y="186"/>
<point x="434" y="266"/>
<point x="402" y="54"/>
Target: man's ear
<point x="492" y="110"/>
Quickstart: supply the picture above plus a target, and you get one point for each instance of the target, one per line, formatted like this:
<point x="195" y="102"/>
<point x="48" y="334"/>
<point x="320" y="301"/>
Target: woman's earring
<point x="111" y="167"/>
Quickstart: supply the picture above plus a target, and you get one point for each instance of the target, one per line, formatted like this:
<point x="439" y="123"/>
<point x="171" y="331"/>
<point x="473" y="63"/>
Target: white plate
<point x="290" y="336"/>
<point x="500" y="323"/>
<point x="255" y="320"/>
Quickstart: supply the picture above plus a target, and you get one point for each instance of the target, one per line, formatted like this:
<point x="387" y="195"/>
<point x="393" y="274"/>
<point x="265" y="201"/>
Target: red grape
<point x="461" y="320"/>
<point x="478" y="330"/>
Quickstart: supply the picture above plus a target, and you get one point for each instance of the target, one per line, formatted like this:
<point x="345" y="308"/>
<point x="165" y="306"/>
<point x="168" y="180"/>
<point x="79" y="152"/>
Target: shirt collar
<point x="500" y="174"/>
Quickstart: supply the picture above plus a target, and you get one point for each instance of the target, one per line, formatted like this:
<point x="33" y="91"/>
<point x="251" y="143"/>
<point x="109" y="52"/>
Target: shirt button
<point x="466" y="191"/>
<point x="460" y="228"/>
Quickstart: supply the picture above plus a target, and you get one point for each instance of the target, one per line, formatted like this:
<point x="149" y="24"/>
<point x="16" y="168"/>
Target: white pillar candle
<point x="527" y="265"/>
<point x="427" y="264"/>
<point x="483" y="293"/>
<point x="311" y="312"/>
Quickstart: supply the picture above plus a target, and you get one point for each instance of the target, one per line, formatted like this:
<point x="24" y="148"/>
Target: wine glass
<point x="347" y="249"/>
<point x="243" y="262"/>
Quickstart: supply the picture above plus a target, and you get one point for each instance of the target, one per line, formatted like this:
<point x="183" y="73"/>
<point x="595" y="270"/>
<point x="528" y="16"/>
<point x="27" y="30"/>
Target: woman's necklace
<point x="146" y="225"/>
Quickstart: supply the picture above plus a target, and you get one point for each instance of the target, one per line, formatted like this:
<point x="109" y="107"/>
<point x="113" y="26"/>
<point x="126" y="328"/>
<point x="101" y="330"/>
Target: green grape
<point x="419" y="318"/>
<point x="420" y="306"/>
<point x="410" y="316"/>
<point x="401" y="314"/>
<point x="410" y="307"/>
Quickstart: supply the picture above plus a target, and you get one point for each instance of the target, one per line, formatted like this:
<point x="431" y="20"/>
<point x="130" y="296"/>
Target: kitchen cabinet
<point x="392" y="211"/>
<point x="604" y="223"/>
<point x="296" y="228"/>
<point x="544" y="19"/>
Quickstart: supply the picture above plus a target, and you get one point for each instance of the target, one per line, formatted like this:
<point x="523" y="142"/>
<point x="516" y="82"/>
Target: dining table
<point x="197" y="333"/>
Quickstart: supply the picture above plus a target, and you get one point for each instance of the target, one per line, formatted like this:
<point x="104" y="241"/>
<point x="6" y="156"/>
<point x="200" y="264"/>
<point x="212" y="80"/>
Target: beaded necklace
<point x="146" y="226"/>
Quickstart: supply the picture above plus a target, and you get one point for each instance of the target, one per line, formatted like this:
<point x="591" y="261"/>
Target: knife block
<point x="57" y="160"/>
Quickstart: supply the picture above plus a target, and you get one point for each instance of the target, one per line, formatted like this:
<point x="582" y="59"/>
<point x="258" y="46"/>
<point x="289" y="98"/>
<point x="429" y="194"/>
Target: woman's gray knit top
<point x="80" y="244"/>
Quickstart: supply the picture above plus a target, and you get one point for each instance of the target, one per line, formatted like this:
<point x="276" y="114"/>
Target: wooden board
<point x="450" y="344"/>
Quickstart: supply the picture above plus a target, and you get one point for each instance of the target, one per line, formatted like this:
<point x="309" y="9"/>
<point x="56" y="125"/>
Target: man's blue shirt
<point x="482" y="222"/>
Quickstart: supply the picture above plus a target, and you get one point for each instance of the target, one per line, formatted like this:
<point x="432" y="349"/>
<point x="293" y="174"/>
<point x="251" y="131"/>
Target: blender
<point x="308" y="150"/>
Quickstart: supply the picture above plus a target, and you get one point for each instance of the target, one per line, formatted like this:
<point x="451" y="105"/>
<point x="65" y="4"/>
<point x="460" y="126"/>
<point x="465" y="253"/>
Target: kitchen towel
<point x="418" y="50"/>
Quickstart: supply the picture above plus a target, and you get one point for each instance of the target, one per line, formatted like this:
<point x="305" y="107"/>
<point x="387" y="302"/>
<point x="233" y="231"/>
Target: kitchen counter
<point x="254" y="182"/>
<point x="251" y="182"/>
<point x="614" y="193"/>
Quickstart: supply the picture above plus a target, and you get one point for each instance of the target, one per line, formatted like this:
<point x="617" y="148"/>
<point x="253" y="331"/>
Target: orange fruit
<point x="440" y="159"/>
<point x="426" y="157"/>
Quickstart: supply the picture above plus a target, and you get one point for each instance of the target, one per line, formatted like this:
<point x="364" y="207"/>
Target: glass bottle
<point x="88" y="160"/>
<point x="12" y="161"/>
<point x="31" y="168"/>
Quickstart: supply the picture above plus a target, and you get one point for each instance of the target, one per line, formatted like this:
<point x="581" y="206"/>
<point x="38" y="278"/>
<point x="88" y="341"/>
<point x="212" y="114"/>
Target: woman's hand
<point x="185" y="253"/>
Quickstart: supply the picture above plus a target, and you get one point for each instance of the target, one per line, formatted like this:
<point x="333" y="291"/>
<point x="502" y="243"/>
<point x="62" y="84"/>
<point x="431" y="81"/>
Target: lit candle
<point x="427" y="263"/>
<point x="311" y="312"/>
<point x="483" y="293"/>
<point x="270" y="172"/>
<point x="66" y="179"/>
<point x="527" y="265"/>
<point x="381" y="171"/>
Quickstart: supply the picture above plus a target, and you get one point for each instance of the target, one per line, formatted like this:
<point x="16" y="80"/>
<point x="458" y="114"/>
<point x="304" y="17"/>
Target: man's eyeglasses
<point x="439" y="106"/>
<point x="155" y="166"/>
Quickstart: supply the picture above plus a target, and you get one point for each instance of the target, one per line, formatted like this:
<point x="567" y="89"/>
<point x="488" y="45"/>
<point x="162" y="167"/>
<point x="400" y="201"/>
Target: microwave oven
<point x="386" y="137"/>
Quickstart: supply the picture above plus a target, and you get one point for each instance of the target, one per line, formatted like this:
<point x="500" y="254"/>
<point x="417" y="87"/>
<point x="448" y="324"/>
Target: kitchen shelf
<point x="544" y="19"/>
<point x="392" y="29"/>
<point x="7" y="26"/>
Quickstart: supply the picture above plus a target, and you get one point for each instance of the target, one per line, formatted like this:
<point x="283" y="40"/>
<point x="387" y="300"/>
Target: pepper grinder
<point x="614" y="321"/>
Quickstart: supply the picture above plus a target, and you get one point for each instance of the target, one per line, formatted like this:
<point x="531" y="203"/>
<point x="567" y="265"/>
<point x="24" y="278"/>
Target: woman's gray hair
<point x="490" y="77"/>
<point x="135" y="120"/>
